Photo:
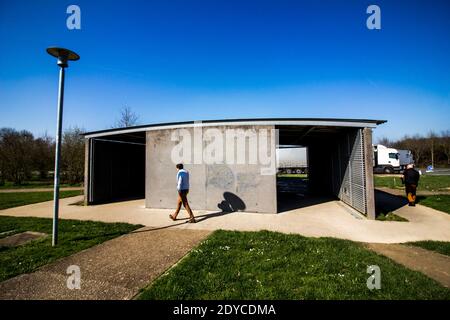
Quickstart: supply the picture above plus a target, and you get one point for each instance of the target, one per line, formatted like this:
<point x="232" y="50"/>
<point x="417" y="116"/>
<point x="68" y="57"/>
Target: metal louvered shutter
<point x="344" y="154"/>
<point x="358" y="174"/>
<point x="353" y="187"/>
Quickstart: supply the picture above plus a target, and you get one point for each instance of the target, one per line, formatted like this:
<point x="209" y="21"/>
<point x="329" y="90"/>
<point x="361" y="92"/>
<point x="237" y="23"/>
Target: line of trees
<point x="22" y="156"/>
<point x="431" y="149"/>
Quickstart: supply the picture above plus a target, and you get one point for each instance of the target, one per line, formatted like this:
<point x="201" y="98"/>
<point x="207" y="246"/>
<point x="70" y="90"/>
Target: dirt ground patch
<point x="21" y="238"/>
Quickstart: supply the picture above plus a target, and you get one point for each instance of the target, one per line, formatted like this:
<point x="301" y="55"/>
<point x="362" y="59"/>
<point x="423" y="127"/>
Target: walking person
<point x="411" y="180"/>
<point x="183" y="190"/>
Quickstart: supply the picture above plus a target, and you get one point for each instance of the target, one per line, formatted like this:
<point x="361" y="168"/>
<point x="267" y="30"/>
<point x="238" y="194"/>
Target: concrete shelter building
<point x="230" y="162"/>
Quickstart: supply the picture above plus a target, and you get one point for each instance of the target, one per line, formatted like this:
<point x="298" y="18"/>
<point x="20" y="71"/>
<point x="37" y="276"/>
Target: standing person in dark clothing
<point x="411" y="180"/>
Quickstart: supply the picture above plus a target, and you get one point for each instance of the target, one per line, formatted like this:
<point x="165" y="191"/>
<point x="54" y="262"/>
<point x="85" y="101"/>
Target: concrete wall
<point x="213" y="186"/>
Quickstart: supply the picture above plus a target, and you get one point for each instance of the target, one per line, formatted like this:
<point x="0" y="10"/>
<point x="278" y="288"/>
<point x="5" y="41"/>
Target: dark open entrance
<point x="292" y="177"/>
<point x="116" y="168"/>
<point x="333" y="167"/>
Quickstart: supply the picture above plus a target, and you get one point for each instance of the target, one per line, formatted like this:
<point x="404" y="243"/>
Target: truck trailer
<point x="291" y="159"/>
<point x="405" y="157"/>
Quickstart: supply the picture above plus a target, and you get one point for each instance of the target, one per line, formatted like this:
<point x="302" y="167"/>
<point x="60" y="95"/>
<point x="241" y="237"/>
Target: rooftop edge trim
<point x="361" y="123"/>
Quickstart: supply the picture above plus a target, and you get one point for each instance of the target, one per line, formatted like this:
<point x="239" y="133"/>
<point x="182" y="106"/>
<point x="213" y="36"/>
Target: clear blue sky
<point x="192" y="60"/>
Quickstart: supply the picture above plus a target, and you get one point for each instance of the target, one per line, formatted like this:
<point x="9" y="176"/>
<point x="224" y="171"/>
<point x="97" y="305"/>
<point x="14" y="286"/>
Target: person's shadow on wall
<point x="230" y="203"/>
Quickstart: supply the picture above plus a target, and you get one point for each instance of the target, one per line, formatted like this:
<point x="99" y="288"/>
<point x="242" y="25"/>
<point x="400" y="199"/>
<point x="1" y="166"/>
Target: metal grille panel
<point x="353" y="186"/>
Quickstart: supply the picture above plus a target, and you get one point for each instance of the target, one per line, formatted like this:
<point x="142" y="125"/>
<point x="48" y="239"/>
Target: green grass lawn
<point x="429" y="183"/>
<point x="269" y="265"/>
<point x="390" y="217"/>
<point x="15" y="199"/>
<point x="439" y="202"/>
<point x="74" y="236"/>
<point x="35" y="184"/>
<point x="438" y="246"/>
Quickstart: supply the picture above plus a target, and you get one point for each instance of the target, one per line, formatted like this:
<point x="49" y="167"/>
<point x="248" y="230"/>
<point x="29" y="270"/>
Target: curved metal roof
<point x="358" y="123"/>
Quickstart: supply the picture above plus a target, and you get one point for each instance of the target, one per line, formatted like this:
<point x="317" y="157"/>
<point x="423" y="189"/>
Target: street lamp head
<point x="63" y="55"/>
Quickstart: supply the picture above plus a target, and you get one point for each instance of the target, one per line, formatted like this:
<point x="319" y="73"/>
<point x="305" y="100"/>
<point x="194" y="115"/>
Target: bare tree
<point x="415" y="144"/>
<point x="127" y="118"/>
<point x="418" y="148"/>
<point x="72" y="155"/>
<point x="445" y="144"/>
<point x="384" y="141"/>
<point x="432" y="140"/>
<point x="16" y="149"/>
<point x="43" y="155"/>
<point x="403" y="143"/>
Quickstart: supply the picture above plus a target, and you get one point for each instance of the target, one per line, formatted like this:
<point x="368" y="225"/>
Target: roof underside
<point x="288" y="124"/>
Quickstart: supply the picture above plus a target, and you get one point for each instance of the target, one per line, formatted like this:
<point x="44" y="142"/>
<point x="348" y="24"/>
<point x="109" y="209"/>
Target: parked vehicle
<point x="291" y="159"/>
<point x="386" y="160"/>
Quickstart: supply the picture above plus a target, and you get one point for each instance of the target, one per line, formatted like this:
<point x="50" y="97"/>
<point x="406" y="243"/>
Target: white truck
<point x="291" y="159"/>
<point x="386" y="160"/>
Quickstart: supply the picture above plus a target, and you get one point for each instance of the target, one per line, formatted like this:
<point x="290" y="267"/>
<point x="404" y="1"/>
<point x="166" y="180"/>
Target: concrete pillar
<point x="86" y="171"/>
<point x="368" y="162"/>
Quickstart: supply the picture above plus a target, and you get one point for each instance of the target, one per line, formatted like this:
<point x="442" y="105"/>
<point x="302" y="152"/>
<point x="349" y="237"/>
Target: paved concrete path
<point x="327" y="219"/>
<point x="38" y="189"/>
<point x="114" y="270"/>
<point x="432" y="264"/>
<point x="401" y="192"/>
